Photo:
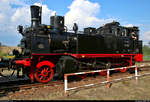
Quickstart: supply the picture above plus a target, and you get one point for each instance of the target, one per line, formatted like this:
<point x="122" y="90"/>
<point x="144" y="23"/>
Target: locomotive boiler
<point x="50" y="51"/>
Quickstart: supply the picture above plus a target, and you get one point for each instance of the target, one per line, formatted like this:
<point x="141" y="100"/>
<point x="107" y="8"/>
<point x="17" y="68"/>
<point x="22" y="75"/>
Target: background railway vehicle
<point x="49" y="51"/>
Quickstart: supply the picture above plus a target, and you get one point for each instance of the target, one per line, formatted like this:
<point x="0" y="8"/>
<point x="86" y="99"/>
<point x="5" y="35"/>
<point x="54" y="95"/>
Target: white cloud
<point x="6" y="12"/>
<point x="2" y="18"/>
<point x="17" y="12"/>
<point x="14" y="13"/>
<point x="146" y="35"/>
<point x="21" y="16"/>
<point x="129" y="25"/>
<point x="84" y="13"/>
<point x="132" y="25"/>
<point x="8" y="30"/>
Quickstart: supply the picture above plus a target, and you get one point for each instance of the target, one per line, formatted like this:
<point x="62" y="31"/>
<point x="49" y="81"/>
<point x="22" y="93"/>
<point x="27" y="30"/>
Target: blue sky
<point x="84" y="12"/>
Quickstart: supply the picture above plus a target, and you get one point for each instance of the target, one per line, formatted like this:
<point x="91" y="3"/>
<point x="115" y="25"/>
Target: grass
<point x="146" y="58"/>
<point x="2" y="54"/>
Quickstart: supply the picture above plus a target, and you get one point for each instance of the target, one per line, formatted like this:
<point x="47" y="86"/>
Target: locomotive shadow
<point x="8" y="91"/>
<point x="7" y="87"/>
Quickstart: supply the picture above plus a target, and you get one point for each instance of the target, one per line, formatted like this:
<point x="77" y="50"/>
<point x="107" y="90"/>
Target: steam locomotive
<point x="50" y="51"/>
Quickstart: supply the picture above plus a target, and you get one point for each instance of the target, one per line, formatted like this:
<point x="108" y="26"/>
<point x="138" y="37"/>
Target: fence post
<point x="136" y="75"/>
<point x="108" y="79"/>
<point x="66" y="84"/>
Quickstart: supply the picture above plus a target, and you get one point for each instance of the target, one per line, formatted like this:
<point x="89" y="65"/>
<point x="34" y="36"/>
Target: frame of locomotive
<point x="50" y="51"/>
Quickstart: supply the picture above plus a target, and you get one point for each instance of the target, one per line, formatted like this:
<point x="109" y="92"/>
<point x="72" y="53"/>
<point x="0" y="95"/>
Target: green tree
<point x="149" y="43"/>
<point x="146" y="50"/>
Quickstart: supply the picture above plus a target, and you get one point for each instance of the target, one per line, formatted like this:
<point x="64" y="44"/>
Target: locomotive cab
<point x="131" y="30"/>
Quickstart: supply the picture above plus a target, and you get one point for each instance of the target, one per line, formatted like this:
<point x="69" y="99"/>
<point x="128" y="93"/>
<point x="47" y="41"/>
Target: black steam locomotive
<point x="51" y="50"/>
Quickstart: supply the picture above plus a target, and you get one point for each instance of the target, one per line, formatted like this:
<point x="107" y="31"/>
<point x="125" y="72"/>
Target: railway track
<point x="6" y="88"/>
<point x="25" y="84"/>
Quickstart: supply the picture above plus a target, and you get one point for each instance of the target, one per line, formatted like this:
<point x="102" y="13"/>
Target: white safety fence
<point x="108" y="82"/>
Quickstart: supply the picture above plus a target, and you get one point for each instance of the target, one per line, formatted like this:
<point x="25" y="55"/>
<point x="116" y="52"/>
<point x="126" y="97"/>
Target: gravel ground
<point x="124" y="90"/>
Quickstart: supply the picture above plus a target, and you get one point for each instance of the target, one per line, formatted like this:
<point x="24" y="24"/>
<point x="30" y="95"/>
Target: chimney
<point x="36" y="13"/>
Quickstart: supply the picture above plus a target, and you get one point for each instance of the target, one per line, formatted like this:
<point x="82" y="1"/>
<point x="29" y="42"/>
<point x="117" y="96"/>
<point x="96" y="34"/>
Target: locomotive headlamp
<point x="48" y="27"/>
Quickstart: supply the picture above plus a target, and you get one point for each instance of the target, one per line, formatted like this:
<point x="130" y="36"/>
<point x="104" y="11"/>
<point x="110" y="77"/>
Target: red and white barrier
<point x="108" y="77"/>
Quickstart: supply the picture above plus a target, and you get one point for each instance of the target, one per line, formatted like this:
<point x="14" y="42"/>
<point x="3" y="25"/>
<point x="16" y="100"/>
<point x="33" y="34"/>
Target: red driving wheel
<point x="82" y="76"/>
<point x="118" y="66"/>
<point x="124" y="69"/>
<point x="103" y="73"/>
<point x="44" y="72"/>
